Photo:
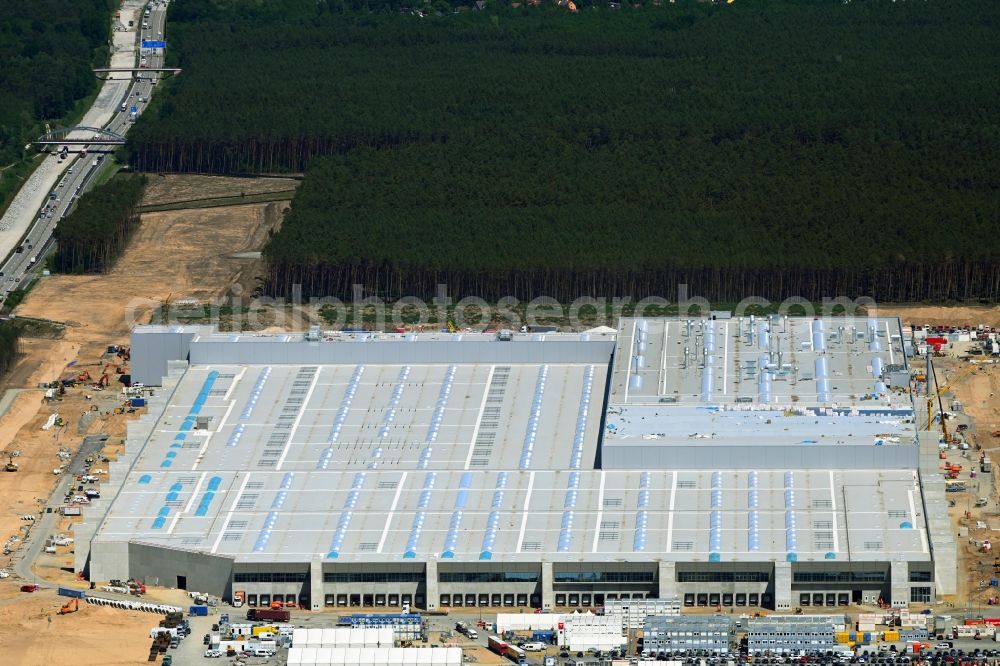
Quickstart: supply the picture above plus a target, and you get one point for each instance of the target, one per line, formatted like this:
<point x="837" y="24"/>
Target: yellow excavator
<point x="940" y="391"/>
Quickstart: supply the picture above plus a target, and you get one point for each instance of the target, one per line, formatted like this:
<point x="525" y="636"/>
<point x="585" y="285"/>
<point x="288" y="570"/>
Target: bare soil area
<point x="177" y="255"/>
<point x="32" y="632"/>
<point x="164" y="189"/>
<point x="956" y="315"/>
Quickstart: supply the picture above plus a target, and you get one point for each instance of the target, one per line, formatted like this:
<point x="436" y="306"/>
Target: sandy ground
<point x="32" y="632"/>
<point x="957" y="315"/>
<point x="177" y="255"/>
<point x="168" y="188"/>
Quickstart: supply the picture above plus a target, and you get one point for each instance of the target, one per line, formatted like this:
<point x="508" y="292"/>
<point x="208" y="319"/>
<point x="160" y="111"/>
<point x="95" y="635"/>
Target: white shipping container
<point x="526" y="622"/>
<point x="375" y="656"/>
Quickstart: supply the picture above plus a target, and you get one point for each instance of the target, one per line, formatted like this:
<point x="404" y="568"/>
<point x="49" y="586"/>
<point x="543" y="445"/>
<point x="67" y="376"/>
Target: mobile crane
<point x="940" y="391"/>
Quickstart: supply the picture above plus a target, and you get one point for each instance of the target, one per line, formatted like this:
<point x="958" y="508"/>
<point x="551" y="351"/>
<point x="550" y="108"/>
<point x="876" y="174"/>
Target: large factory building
<point x="734" y="462"/>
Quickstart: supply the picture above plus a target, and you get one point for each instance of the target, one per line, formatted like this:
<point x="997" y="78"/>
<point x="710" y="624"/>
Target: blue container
<point x="138" y="402"/>
<point x="198" y="610"/>
<point x="70" y="592"/>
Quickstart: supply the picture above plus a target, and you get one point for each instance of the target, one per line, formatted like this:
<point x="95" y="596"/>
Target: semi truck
<point x="497" y="646"/>
<point x="269" y="614"/>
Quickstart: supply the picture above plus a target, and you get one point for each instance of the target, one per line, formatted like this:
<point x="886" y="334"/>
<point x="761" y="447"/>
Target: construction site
<point x="65" y="415"/>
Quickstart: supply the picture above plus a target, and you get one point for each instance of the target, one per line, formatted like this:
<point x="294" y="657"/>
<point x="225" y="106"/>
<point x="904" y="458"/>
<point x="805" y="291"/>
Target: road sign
<point x="134" y="109"/>
<point x="153" y="44"/>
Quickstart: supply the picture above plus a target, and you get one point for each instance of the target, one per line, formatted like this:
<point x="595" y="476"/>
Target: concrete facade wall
<point x="713" y="457"/>
<point x="772" y="585"/>
<point x="202" y="572"/>
<point x="152" y="349"/>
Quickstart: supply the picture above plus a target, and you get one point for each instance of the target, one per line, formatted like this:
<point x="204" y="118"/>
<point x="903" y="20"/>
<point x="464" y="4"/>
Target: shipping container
<point x="374" y="656"/>
<point x="198" y="610"/>
<point x="343" y="637"/>
<point x="70" y="592"/>
<point x="269" y="614"/>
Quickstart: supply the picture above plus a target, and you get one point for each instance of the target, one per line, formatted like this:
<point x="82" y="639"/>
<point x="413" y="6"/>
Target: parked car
<point x="213" y="653"/>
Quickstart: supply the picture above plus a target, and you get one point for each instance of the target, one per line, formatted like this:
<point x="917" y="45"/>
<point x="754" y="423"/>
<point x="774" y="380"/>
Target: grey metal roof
<point x="748" y="381"/>
<point x="465" y="461"/>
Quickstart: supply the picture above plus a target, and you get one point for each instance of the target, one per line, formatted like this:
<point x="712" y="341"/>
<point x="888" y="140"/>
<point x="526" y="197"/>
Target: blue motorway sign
<point x="135" y="109"/>
<point x="151" y="44"/>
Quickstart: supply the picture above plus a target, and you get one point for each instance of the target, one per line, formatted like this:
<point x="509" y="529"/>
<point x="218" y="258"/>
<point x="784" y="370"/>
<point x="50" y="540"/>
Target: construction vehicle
<point x="102" y="382"/>
<point x="11" y="466"/>
<point x="71" y="606"/>
<point x="83" y="376"/>
<point x="940" y="391"/>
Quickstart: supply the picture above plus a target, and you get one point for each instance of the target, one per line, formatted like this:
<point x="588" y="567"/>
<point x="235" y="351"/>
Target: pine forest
<point x="781" y="148"/>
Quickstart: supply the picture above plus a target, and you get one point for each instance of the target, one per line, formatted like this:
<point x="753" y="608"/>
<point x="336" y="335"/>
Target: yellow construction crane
<point x="940" y="391"/>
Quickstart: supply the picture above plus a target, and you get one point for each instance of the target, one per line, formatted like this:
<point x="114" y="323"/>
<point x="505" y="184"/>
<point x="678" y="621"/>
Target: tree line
<point x="807" y="148"/>
<point x="95" y="233"/>
<point x="10" y="346"/>
<point x="400" y="222"/>
<point x="47" y="49"/>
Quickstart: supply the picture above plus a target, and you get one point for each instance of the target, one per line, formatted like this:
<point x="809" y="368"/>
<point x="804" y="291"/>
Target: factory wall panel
<point x="167" y="567"/>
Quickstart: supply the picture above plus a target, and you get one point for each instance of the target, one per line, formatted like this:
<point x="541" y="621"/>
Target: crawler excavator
<point x="71" y="606"/>
<point x="11" y="466"/>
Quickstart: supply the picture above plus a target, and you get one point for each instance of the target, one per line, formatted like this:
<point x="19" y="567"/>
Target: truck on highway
<point x="278" y="615"/>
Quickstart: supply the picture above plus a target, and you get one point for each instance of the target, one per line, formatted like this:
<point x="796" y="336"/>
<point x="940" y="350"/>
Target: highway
<point x="26" y="228"/>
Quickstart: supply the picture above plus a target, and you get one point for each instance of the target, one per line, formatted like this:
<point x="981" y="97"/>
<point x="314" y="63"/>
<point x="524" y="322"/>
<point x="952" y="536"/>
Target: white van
<point x="263" y="652"/>
<point x="533" y="647"/>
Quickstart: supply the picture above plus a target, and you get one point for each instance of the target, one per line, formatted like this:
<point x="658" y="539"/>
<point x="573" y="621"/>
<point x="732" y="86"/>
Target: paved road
<point x="33" y="214"/>
<point x="25" y="556"/>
